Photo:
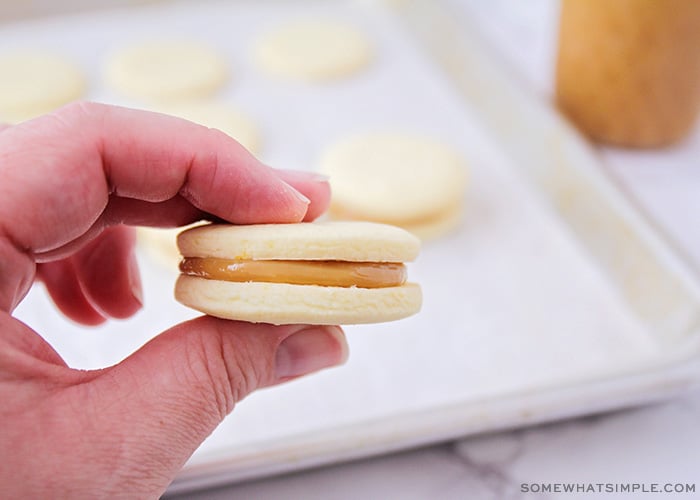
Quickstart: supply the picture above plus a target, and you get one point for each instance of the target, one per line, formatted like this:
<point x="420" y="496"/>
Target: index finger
<point x="60" y="170"/>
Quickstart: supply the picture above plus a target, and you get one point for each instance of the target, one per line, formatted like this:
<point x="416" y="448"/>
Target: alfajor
<point x="306" y="273"/>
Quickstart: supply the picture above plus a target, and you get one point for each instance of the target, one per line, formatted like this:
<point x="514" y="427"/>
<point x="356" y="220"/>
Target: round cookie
<point x="278" y="296"/>
<point x="166" y="70"/>
<point x="34" y="83"/>
<point x="313" y="51"/>
<point x="412" y="182"/>
<point x="220" y="116"/>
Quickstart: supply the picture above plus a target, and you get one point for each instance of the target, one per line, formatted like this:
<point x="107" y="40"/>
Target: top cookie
<point x="346" y="241"/>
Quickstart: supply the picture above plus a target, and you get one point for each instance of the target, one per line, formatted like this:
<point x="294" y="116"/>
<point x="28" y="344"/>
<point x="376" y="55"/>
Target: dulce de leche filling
<point x="298" y="272"/>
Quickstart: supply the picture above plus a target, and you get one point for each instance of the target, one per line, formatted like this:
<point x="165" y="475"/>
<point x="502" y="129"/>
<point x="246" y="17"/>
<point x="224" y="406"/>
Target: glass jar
<point x="628" y="71"/>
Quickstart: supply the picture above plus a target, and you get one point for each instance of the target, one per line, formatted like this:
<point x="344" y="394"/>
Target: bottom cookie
<point x="282" y="303"/>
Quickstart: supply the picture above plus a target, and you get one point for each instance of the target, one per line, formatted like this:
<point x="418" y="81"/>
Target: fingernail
<point x="135" y="279"/>
<point x="295" y="192"/>
<point x="310" y="350"/>
<point x="300" y="196"/>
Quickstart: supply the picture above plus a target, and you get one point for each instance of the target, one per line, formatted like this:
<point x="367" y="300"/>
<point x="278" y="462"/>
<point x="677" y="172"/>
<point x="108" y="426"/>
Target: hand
<point x="71" y="183"/>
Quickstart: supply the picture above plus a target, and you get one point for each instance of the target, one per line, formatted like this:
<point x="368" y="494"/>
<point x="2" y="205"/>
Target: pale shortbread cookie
<point x="34" y="83"/>
<point x="438" y="225"/>
<point x="220" y="116"/>
<point x="412" y="182"/>
<point x="341" y="240"/>
<point x="166" y="70"/>
<point x="313" y="51"/>
<point x="284" y="303"/>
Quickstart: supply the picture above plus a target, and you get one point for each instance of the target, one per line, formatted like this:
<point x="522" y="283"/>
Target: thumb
<point x="165" y="399"/>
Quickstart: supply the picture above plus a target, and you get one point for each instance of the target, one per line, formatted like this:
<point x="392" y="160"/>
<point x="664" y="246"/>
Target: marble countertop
<point x="652" y="445"/>
<point x="649" y="449"/>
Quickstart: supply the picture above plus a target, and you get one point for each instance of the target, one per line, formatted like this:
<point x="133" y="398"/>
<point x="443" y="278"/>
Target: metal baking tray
<point x="554" y="298"/>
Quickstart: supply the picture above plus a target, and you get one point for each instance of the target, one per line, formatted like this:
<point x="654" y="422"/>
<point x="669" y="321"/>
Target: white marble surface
<point x="651" y="446"/>
<point x="659" y="444"/>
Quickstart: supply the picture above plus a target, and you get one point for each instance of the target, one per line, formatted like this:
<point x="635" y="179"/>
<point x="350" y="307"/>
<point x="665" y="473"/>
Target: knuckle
<point x="78" y="111"/>
<point x="78" y="118"/>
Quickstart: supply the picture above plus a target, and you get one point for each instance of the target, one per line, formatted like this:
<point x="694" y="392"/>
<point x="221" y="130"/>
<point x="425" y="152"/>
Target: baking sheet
<point x="524" y="319"/>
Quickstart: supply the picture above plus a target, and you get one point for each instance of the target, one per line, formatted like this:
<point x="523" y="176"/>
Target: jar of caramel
<point x="628" y="71"/>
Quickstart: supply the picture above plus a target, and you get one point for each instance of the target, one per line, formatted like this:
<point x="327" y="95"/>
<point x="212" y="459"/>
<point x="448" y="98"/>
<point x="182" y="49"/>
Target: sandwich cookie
<point x="308" y="273"/>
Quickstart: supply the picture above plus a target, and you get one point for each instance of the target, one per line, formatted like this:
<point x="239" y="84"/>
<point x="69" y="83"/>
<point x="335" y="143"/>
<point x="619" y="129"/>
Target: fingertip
<point x="314" y="187"/>
<point x="309" y="350"/>
<point x="339" y="336"/>
<point x="301" y="203"/>
<point x="109" y="275"/>
<point x="321" y="201"/>
<point x="299" y="195"/>
<point x="65" y="290"/>
<point x="134" y="280"/>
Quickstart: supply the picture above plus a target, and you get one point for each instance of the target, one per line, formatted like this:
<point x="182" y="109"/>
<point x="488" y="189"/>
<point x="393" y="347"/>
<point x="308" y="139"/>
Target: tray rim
<point x="440" y="424"/>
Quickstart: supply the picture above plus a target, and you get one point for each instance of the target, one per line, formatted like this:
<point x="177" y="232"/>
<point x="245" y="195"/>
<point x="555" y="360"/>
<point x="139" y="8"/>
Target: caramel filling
<point x="298" y="272"/>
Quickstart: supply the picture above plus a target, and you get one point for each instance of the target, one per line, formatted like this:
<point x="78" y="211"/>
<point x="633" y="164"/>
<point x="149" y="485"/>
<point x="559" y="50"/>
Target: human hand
<point x="71" y="183"/>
